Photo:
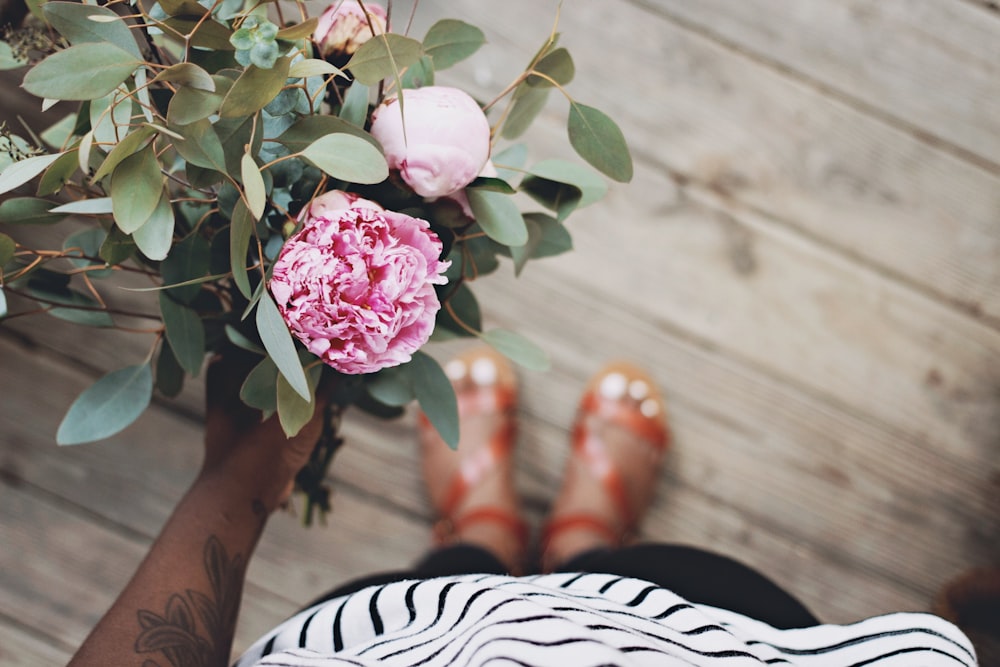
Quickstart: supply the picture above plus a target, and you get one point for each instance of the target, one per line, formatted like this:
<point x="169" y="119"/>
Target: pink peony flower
<point x="447" y="139"/>
<point x="343" y="27"/>
<point x="356" y="284"/>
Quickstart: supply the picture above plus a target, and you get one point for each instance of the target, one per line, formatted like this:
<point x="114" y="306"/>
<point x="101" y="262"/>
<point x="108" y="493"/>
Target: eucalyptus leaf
<point x="260" y="389"/>
<point x="192" y="104"/>
<point x="557" y="65"/>
<point x="298" y="31"/>
<point x="546" y="237"/>
<point x="492" y="184"/>
<point x="111" y="117"/>
<point x="188" y="75"/>
<point x="107" y="406"/>
<point x="156" y="234"/>
<point x="599" y="141"/>
<point x="348" y="158"/>
<point x="562" y="198"/>
<point x="382" y="57"/>
<point x="82" y="24"/>
<point x="510" y="160"/>
<point x="450" y="41"/>
<point x="355" y="107"/>
<point x="124" y="149"/>
<point x="56" y="176"/>
<point x="201" y="145"/>
<point x="96" y="206"/>
<point x="28" y="211"/>
<point x="419" y="74"/>
<point x="169" y="374"/>
<point x="308" y="129"/>
<point x="392" y="387"/>
<point x="304" y="69"/>
<point x="3" y="303"/>
<point x="136" y="189"/>
<point x="80" y="308"/>
<point x="527" y="105"/>
<point x="253" y="184"/>
<point x="8" y="60"/>
<point x="279" y="345"/>
<point x="592" y="187"/>
<point x="499" y="217"/>
<point x="207" y="34"/>
<point x="241" y="229"/>
<point x="7" y="249"/>
<point x="467" y="318"/>
<point x="185" y="332"/>
<point x="188" y="261"/>
<point x="294" y="412"/>
<point x="518" y="349"/>
<point x="117" y="247"/>
<point x="59" y="133"/>
<point x="254" y="89"/>
<point x="84" y="248"/>
<point x="236" y="337"/>
<point x="82" y="72"/>
<point x="23" y="171"/>
<point x="436" y="396"/>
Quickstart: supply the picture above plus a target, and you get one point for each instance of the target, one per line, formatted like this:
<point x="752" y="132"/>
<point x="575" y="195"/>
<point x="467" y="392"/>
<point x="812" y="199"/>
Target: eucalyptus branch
<point x="92" y="309"/>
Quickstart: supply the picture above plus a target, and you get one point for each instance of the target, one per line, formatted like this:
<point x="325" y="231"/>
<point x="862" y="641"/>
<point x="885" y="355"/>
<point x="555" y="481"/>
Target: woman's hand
<point x="251" y="455"/>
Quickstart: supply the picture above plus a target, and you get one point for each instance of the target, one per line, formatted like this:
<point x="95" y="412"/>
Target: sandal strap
<point x="472" y="471"/>
<point x="650" y="429"/>
<point x="447" y="529"/>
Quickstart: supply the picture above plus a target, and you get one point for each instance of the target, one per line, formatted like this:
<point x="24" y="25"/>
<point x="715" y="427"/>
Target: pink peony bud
<point x="447" y="139"/>
<point x="343" y="27"/>
<point x="356" y="284"/>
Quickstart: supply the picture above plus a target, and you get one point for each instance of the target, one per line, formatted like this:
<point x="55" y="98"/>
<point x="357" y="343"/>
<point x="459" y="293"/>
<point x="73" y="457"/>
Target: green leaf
<point x="86" y="246"/>
<point x="201" y="145"/>
<point x="59" y="133"/>
<point x="55" y="177"/>
<point x="83" y="24"/>
<point x="237" y="338"/>
<point x="450" y="41"/>
<point x="298" y="31"/>
<point x="278" y="343"/>
<point x="23" y="171"/>
<point x="124" y="149"/>
<point x="304" y="69"/>
<point x="463" y="302"/>
<point x="391" y="386"/>
<point x="7" y="58"/>
<point x="96" y="206"/>
<point x="188" y="75"/>
<point x="557" y="65"/>
<point x="82" y="72"/>
<point x="436" y="396"/>
<point x="28" y="211"/>
<point x="136" y="189"/>
<point x="253" y="184"/>
<point x="294" y="412"/>
<point x="108" y="406"/>
<point x="348" y="158"/>
<point x="239" y="241"/>
<point x="355" y="107"/>
<point x="260" y="389"/>
<point x="492" y="185"/>
<point x="186" y="8"/>
<point x="7" y="249"/>
<point x="188" y="260"/>
<point x="155" y="235"/>
<point x="192" y="104"/>
<point x="499" y="217"/>
<point x="382" y="57"/>
<point x="3" y="303"/>
<point x="169" y="374"/>
<point x="528" y="103"/>
<point x="117" y="247"/>
<point x="546" y="237"/>
<point x="205" y="34"/>
<point x="599" y="141"/>
<point x="562" y="198"/>
<point x="110" y="116"/>
<point x="592" y="187"/>
<point x="419" y="74"/>
<point x="185" y="332"/>
<point x="254" y="89"/>
<point x="83" y="309"/>
<point x="518" y="349"/>
<point x="308" y="129"/>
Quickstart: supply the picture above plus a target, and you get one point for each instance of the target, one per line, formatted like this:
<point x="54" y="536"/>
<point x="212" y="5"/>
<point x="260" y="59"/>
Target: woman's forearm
<point x="180" y="607"/>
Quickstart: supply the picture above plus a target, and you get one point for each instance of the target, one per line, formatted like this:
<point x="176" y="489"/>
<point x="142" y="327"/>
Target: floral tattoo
<point x="176" y="634"/>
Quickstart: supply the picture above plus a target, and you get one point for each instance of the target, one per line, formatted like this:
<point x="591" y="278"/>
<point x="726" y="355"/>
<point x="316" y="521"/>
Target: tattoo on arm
<point x="176" y="634"/>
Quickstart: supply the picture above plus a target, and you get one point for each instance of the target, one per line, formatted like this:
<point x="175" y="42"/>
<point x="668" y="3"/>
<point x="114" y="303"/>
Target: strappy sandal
<point x="624" y="397"/>
<point x="484" y="383"/>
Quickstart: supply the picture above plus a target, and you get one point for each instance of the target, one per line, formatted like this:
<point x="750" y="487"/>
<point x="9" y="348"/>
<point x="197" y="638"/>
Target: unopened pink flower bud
<point x="446" y="142"/>
<point x="344" y="27"/>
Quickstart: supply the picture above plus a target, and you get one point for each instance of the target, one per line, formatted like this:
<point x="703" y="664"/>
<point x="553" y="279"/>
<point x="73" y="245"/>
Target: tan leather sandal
<point x="620" y="396"/>
<point x="484" y="383"/>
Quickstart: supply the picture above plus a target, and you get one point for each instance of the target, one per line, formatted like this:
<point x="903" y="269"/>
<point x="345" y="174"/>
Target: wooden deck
<point x="808" y="261"/>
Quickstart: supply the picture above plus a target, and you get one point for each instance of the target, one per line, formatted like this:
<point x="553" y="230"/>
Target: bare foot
<point x="472" y="488"/>
<point x="619" y="440"/>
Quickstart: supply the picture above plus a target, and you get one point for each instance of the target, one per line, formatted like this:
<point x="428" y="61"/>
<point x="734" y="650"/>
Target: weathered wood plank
<point x="21" y="649"/>
<point x="716" y="120"/>
<point x="933" y="67"/>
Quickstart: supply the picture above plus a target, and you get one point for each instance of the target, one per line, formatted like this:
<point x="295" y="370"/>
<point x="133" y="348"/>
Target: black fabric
<point x="695" y="574"/>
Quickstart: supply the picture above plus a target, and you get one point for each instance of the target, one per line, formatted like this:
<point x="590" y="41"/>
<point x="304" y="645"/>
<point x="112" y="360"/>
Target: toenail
<point x="484" y="371"/>
<point x="649" y="408"/>
<point x="455" y="369"/>
<point x="613" y="385"/>
<point x="638" y="389"/>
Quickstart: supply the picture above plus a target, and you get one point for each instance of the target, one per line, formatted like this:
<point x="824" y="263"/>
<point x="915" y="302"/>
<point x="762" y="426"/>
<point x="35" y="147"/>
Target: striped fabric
<point x="580" y="620"/>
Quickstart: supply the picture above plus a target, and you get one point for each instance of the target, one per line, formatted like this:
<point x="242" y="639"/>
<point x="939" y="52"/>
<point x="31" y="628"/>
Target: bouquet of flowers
<point x="294" y="186"/>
